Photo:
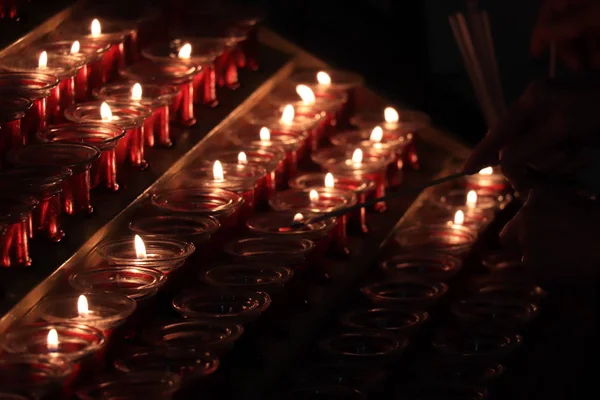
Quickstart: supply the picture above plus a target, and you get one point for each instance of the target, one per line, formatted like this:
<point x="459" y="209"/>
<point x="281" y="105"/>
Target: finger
<point x="510" y="234"/>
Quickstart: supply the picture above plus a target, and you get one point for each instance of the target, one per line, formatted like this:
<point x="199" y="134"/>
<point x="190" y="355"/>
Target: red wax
<point x="104" y="170"/>
<point x="52" y="106"/>
<point x="131" y="148"/>
<point x="226" y="69"/>
<point x="76" y="194"/>
<point x="14" y="243"/>
<point x="205" y="86"/>
<point x="156" y="128"/>
<point x="113" y="61"/>
<point x="96" y="75"/>
<point x="66" y="98"/>
<point x="182" y="107"/>
<point x="82" y="90"/>
<point x="46" y="216"/>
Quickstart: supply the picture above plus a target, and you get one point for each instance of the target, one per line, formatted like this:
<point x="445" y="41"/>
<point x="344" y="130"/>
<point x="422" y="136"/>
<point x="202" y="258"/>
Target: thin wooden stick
<point x="369" y="203"/>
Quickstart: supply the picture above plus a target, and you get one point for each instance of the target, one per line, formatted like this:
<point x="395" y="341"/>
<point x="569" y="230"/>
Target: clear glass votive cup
<point x="137" y="283"/>
<point x="521" y="290"/>
<point x="188" y="364"/>
<point x="223" y="205"/>
<point x="473" y="218"/>
<point x="77" y="157"/>
<point x="405" y="292"/>
<point x="453" y="239"/>
<point x="128" y="115"/>
<point x="41" y="89"/>
<point x="290" y="251"/>
<point x="199" y="335"/>
<point x="41" y="378"/>
<point x="364" y="347"/>
<point x="147" y="385"/>
<point x="45" y="185"/>
<point x="155" y="96"/>
<point x="194" y="229"/>
<point x="460" y="372"/>
<point x="358" y="376"/>
<point x="436" y="266"/>
<point x="487" y="201"/>
<point x="105" y="311"/>
<point x="364" y="189"/>
<point x="442" y="390"/>
<point x="280" y="224"/>
<point x="105" y="137"/>
<point x="488" y="179"/>
<point x="400" y="322"/>
<point x="236" y="307"/>
<point x="15" y="219"/>
<point x="323" y="391"/>
<point x="252" y="276"/>
<point x="494" y="313"/>
<point x="476" y="345"/>
<point x="172" y="73"/>
<point x="163" y="254"/>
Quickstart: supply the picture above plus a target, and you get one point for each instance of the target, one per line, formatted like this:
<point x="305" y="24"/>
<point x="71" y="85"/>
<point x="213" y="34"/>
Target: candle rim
<point x="184" y="303"/>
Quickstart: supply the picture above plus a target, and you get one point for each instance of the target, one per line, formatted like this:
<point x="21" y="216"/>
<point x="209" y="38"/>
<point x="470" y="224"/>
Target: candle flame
<point x="43" y="61"/>
<point x="313" y="195"/>
<point x="242" y="158"/>
<point x="299" y="217"/>
<point x="52" y="340"/>
<point x="306" y="94"/>
<point x="471" y="198"/>
<point x="376" y="134"/>
<point x="218" y="171"/>
<point x="140" y="247"/>
<point x="264" y="134"/>
<point x="486" y="171"/>
<point x="82" y="306"/>
<point x="185" y="51"/>
<point x="329" y="181"/>
<point x="323" y="78"/>
<point x="391" y="115"/>
<point x="459" y="218"/>
<point x="357" y="156"/>
<point x="105" y="112"/>
<point x="136" y="92"/>
<point x="288" y="114"/>
<point x="75" y="47"/>
<point x="96" y="28"/>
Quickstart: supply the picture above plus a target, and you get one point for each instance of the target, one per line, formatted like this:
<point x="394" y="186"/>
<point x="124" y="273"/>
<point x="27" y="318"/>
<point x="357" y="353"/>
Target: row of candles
<point x="202" y="206"/>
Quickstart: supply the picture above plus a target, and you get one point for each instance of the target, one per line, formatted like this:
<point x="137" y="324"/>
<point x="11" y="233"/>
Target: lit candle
<point x="323" y="78"/>
<point x="391" y="117"/>
<point x="43" y="60"/>
<point x="306" y="94"/>
<point x="288" y="115"/>
<point x="264" y="134"/>
<point x="472" y="199"/>
<point x="140" y="248"/>
<point x="218" y="174"/>
<point x="242" y="158"/>
<point x="75" y="47"/>
<point x="83" y="308"/>
<point x="105" y="112"/>
<point x="136" y="92"/>
<point x="96" y="28"/>
<point x="185" y="52"/>
<point x="52" y="340"/>
<point x="357" y="157"/>
<point x="329" y="180"/>
<point x="313" y="195"/>
<point x="299" y="217"/>
<point x="459" y="217"/>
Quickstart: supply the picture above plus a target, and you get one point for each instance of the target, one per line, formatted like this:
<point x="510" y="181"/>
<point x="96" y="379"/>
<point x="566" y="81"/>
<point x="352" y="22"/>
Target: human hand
<point x="558" y="234"/>
<point x="574" y="27"/>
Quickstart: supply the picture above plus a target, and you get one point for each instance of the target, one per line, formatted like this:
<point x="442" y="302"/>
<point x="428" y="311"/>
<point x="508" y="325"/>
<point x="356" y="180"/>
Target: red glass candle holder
<point x="339" y="81"/>
<point x="473" y="218"/>
<point x="171" y="73"/>
<point x="92" y="74"/>
<point x="146" y="385"/>
<point x="193" y="229"/>
<point x="453" y="239"/>
<point x="401" y="323"/>
<point x="364" y="190"/>
<point x="325" y="107"/>
<point x="13" y="111"/>
<point x="476" y="345"/>
<point x="364" y="347"/>
<point x="438" y="266"/>
<point x="409" y="122"/>
<point x="500" y="314"/>
<point x="485" y="201"/>
<point x="406" y="292"/>
<point x="245" y="180"/>
<point x="65" y="68"/>
<point x="157" y="97"/>
<point x="222" y="305"/>
<point x="15" y="215"/>
<point x="45" y="185"/>
<point x="280" y="118"/>
<point x="329" y="199"/>
<point x="253" y="276"/>
<point x="189" y="365"/>
<point x="290" y="251"/>
<point x="42" y="89"/>
<point x="41" y="378"/>
<point x="373" y="166"/>
<point x="269" y="158"/>
<point x="106" y="312"/>
<point x="280" y="225"/>
<point x="128" y="115"/>
<point x="292" y="142"/>
<point x="77" y="157"/>
<point x="392" y="141"/>
<point x="138" y="283"/>
<point x="197" y="335"/>
<point x="358" y="376"/>
<point x="224" y="205"/>
<point x="202" y="55"/>
<point x="105" y="137"/>
<point x="82" y="345"/>
<point x="488" y="179"/>
<point x="163" y="254"/>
